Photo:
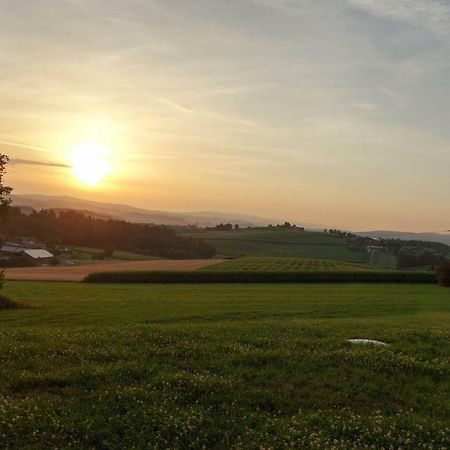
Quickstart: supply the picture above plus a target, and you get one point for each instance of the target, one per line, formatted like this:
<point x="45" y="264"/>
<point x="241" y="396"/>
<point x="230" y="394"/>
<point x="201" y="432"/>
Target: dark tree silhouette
<point x="5" y="191"/>
<point x="5" y="199"/>
<point x="443" y="274"/>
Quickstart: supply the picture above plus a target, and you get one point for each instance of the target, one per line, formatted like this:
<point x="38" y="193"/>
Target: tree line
<point x="76" y="228"/>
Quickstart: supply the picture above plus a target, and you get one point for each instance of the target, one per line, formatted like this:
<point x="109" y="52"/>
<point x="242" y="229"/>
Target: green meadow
<point x="281" y="242"/>
<point x="84" y="255"/>
<point x="114" y="366"/>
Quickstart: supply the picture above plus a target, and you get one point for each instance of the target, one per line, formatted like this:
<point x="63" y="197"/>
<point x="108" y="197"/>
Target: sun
<point x="90" y="163"/>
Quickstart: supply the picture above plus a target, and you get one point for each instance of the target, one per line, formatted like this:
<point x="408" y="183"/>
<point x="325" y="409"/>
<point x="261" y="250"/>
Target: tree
<point x="443" y="274"/>
<point x="5" y="199"/>
<point x="109" y="251"/>
<point x="5" y="191"/>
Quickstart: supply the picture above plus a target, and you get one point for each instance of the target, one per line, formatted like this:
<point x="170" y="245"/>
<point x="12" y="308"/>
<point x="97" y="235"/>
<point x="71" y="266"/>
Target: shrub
<point x="261" y="277"/>
<point x="20" y="260"/>
<point x="443" y="274"/>
<point x="6" y="303"/>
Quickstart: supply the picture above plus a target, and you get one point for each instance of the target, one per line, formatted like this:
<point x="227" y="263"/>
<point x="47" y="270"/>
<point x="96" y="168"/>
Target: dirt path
<point x="77" y="273"/>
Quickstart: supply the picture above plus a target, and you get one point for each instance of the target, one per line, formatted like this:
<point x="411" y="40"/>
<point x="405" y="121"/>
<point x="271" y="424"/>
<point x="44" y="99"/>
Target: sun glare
<point x="90" y="163"/>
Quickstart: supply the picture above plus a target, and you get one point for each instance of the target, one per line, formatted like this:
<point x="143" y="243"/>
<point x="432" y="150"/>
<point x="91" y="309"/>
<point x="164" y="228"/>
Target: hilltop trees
<point x="221" y="227"/>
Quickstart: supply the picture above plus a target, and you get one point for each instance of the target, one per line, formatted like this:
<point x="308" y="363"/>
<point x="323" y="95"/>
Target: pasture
<point x="281" y="242"/>
<point x="224" y="366"/>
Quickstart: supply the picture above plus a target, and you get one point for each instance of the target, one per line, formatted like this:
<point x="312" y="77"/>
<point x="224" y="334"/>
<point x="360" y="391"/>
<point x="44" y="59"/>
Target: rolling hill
<point x="133" y="214"/>
<point x="443" y="238"/>
<point x="282" y="243"/>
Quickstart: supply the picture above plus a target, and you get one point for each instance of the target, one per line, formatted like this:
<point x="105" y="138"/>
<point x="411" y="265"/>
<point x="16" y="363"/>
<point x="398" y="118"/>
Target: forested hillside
<point x="75" y="228"/>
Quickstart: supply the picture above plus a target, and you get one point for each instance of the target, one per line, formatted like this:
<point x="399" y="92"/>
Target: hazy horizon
<point x="224" y="215"/>
<point x="321" y="111"/>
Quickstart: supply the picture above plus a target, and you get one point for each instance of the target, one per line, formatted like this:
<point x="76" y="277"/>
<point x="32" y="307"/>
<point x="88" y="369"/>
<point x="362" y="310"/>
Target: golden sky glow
<point x="331" y="112"/>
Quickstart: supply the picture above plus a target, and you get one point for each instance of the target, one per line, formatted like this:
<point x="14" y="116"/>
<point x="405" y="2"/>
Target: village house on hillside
<point x="373" y="248"/>
<point x="374" y="244"/>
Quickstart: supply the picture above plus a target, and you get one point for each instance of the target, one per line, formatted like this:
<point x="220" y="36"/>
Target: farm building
<point x="29" y="248"/>
<point x="25" y="242"/>
<point x="11" y="249"/>
<point x="39" y="255"/>
<point x="374" y="248"/>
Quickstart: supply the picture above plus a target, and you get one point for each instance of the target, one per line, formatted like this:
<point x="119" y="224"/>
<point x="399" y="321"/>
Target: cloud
<point x="175" y="105"/>
<point x="431" y="14"/>
<point x="38" y="163"/>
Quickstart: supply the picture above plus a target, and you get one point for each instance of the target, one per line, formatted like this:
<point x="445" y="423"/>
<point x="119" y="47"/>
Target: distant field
<point x="278" y="264"/>
<point x="280" y="242"/>
<point x="224" y="367"/>
<point x="79" y="272"/>
<point x="385" y="259"/>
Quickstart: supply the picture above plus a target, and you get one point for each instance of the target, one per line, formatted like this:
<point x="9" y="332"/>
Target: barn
<point x="39" y="256"/>
<point x="36" y="256"/>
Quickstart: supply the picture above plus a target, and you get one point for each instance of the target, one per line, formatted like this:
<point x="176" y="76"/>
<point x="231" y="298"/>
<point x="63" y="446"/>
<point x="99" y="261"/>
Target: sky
<point x="333" y="112"/>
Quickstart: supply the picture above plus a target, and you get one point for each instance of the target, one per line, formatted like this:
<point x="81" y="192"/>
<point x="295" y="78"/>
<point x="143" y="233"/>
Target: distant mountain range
<point x="132" y="214"/>
<point x="408" y="236"/>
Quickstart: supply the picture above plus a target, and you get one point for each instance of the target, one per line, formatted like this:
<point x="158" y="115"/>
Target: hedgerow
<point x="261" y="277"/>
<point x="443" y="274"/>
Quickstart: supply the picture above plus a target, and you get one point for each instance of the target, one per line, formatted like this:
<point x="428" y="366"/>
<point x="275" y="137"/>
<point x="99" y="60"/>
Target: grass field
<point x="83" y="255"/>
<point x="79" y="272"/>
<point x="224" y="366"/>
<point x="280" y="242"/>
<point x="286" y="265"/>
<point x="386" y="260"/>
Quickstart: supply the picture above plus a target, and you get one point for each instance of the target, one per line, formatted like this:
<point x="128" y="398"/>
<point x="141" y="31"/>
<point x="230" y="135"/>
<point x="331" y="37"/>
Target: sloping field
<point x="78" y="273"/>
<point x="273" y="264"/>
<point x="85" y="254"/>
<point x="280" y="242"/>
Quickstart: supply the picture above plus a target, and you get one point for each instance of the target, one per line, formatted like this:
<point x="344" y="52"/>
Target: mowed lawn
<point x="224" y="366"/>
<point x="279" y="264"/>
